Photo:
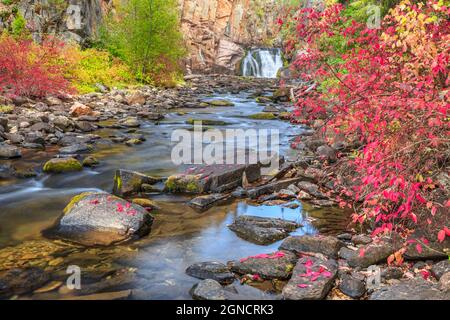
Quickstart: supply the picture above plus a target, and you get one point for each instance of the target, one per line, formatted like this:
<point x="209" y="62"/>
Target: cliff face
<point x="216" y="31"/>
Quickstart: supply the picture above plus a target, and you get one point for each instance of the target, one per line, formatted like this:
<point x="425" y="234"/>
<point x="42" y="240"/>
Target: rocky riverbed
<point x="88" y="182"/>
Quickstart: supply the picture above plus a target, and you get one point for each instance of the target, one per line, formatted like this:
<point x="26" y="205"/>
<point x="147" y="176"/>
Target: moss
<point x="75" y="200"/>
<point x="177" y="184"/>
<point x="6" y="109"/>
<point x="220" y="103"/>
<point x="62" y="165"/>
<point x="263" y="116"/>
<point x="193" y="187"/>
<point x="118" y="182"/>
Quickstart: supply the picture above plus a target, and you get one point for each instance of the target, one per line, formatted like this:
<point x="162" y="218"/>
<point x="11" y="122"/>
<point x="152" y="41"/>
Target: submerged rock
<point x="326" y="245"/>
<point x="211" y="270"/>
<point x="21" y="281"/>
<point x="63" y="165"/>
<point x="312" y="279"/>
<point x="76" y="148"/>
<point x="278" y="265"/>
<point x="262" y="230"/>
<point x="128" y="182"/>
<point x="101" y="219"/>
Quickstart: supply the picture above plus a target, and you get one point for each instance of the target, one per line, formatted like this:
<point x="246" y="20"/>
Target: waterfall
<point x="262" y="63"/>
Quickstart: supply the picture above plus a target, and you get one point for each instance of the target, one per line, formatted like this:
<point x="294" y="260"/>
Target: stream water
<point x="180" y="236"/>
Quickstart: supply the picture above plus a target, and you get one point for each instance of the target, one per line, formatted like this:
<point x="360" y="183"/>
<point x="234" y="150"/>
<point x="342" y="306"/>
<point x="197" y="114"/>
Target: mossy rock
<point x="146" y="203"/>
<point x="263" y="116"/>
<point x="220" y="103"/>
<point x="6" y="109"/>
<point x="133" y="142"/>
<point x="285" y="115"/>
<point x="183" y="184"/>
<point x="263" y="99"/>
<point x="75" y="200"/>
<point x="207" y="122"/>
<point x="90" y="162"/>
<point x="62" y="165"/>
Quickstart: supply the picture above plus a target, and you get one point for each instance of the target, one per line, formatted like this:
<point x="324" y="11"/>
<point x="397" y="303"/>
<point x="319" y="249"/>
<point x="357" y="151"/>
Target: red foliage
<point x="391" y="94"/>
<point x="32" y="70"/>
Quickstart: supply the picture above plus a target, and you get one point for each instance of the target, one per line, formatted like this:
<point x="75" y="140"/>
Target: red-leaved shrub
<point x="389" y="90"/>
<point x="30" y="69"/>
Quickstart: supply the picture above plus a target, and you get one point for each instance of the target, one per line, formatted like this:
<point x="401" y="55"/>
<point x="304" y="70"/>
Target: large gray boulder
<point x="99" y="218"/>
<point x="326" y="245"/>
<point x="262" y="230"/>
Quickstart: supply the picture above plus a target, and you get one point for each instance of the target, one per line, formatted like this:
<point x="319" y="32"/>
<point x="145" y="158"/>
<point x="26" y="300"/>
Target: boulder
<point x="214" y="178"/>
<point x="90" y="162"/>
<point x="311" y="189"/>
<point x="220" y="103"/>
<point x="440" y="268"/>
<point x="411" y="289"/>
<point x="208" y="290"/>
<point x="78" y="109"/>
<point x="326" y="245"/>
<point x="261" y="230"/>
<point x="127" y="182"/>
<point x="361" y="239"/>
<point x="211" y="270"/>
<point x="9" y="152"/>
<point x="205" y="202"/>
<point x="367" y="255"/>
<point x="76" y="148"/>
<point x="63" y="165"/>
<point x="312" y="279"/>
<point x="98" y="218"/>
<point x="278" y="265"/>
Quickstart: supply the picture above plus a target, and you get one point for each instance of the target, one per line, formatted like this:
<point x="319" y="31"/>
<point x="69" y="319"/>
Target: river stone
<point x="261" y="230"/>
<point x="327" y="153"/>
<point x="352" y="286"/>
<point x="62" y="165"/>
<point x="313" y="290"/>
<point x="361" y="239"/>
<point x="220" y="103"/>
<point x="326" y="245"/>
<point x="208" y="290"/>
<point x="211" y="270"/>
<point x="373" y="254"/>
<point x="127" y="182"/>
<point x="438" y="269"/>
<point x="21" y="281"/>
<point x="99" y="218"/>
<point x="76" y="148"/>
<point x="271" y="187"/>
<point x="9" y="152"/>
<point x="390" y="273"/>
<point x="213" y="178"/>
<point x="205" y="202"/>
<point x="411" y="289"/>
<point x="271" y="267"/>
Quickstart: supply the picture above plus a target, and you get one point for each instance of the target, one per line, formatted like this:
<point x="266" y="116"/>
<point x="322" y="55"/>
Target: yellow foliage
<point x="87" y="68"/>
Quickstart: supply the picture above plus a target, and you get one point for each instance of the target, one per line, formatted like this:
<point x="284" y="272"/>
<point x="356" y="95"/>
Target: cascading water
<point x="262" y="63"/>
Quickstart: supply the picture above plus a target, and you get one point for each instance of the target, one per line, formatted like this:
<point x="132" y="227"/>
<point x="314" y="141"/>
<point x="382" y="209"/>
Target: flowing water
<point x="262" y="63"/>
<point x="180" y="236"/>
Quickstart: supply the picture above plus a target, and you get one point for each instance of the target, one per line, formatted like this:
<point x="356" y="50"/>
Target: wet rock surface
<point x="312" y="279"/>
<point x="20" y="281"/>
<point x="211" y="270"/>
<point x="262" y="230"/>
<point x="101" y="219"/>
